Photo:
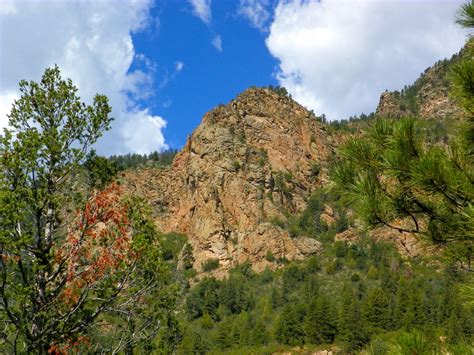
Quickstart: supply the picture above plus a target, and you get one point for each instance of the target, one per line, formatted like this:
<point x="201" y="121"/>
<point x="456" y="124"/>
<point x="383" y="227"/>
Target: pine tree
<point x="222" y="335"/>
<point x="192" y="343"/>
<point x="259" y="334"/>
<point x="320" y="321"/>
<point x="376" y="310"/>
<point x="350" y="325"/>
<point x="288" y="327"/>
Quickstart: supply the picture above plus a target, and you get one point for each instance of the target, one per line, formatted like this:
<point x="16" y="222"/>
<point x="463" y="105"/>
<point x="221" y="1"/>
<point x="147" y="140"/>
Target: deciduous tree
<point x="74" y="260"/>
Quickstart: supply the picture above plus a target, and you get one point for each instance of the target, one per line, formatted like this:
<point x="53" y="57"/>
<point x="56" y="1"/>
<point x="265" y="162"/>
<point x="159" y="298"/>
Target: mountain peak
<point x="248" y="163"/>
<point x="260" y="102"/>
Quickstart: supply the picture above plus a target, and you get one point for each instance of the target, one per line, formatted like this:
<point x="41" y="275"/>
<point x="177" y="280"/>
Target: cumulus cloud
<point x="140" y="134"/>
<point x="91" y="41"/>
<point x="256" y="12"/>
<point x="202" y="9"/>
<point x="217" y="43"/>
<point x="337" y="56"/>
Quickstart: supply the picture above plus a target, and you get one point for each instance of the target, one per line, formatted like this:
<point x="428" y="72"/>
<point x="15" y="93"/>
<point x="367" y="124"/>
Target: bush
<point x="277" y="222"/>
<point x="236" y="165"/>
<point x="378" y="347"/>
<point x="315" y="169"/>
<point x="355" y="277"/>
<point x="269" y="256"/>
<point x="210" y="264"/>
<point x="414" y="343"/>
<point x="340" y="249"/>
<point x="171" y="244"/>
<point x="313" y="264"/>
<point x="372" y="273"/>
<point x="280" y="90"/>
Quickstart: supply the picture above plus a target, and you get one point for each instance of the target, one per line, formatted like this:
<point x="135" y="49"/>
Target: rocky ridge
<point x="248" y="163"/>
<point x="427" y="98"/>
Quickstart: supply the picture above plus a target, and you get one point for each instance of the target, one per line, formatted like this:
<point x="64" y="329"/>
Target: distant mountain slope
<point x="427" y="97"/>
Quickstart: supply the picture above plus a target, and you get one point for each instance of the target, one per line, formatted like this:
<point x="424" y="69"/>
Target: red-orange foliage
<point x="69" y="347"/>
<point x="98" y="244"/>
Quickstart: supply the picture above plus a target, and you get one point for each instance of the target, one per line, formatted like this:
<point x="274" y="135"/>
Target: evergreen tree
<point x="206" y="321"/>
<point x="395" y="173"/>
<point x="376" y="310"/>
<point x="320" y="321"/>
<point x="222" y="335"/>
<point x="409" y="310"/>
<point x="192" y="344"/>
<point x="288" y="326"/>
<point x="259" y="334"/>
<point x="350" y="323"/>
<point x="241" y="328"/>
<point x="204" y="298"/>
<point x="235" y="294"/>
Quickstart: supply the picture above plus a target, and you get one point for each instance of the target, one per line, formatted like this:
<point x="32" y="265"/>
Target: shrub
<point x="355" y="277"/>
<point x="236" y="165"/>
<point x="372" y="273"/>
<point x="414" y="343"/>
<point x="313" y="265"/>
<point x="269" y="256"/>
<point x="172" y="243"/>
<point x="277" y="222"/>
<point x="263" y="157"/>
<point x="210" y="264"/>
<point x="315" y="169"/>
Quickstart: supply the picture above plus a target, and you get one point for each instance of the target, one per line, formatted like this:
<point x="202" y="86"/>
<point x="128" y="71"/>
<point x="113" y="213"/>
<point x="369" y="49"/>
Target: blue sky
<point x="209" y="77"/>
<point x="164" y="63"/>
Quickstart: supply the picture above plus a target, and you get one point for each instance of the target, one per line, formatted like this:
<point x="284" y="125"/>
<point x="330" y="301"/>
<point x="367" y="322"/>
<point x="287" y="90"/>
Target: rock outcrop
<point x="427" y="98"/>
<point x="248" y="163"/>
<point x="390" y="104"/>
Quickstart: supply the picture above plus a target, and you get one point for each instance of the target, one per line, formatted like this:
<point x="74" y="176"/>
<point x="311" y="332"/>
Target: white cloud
<point x="337" y="56"/>
<point x="256" y="11"/>
<point x="92" y="44"/>
<point x="202" y="9"/>
<point x="140" y="133"/>
<point x="179" y="66"/>
<point x="217" y="43"/>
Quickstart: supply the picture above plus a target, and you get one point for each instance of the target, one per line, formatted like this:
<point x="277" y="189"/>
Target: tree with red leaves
<point x="80" y="268"/>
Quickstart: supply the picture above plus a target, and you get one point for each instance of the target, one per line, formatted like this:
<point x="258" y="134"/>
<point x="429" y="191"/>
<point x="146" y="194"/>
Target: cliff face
<point x="248" y="163"/>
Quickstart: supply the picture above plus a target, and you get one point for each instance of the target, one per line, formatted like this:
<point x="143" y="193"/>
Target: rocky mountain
<point x="428" y="97"/>
<point x="255" y="161"/>
<point x="248" y="163"/>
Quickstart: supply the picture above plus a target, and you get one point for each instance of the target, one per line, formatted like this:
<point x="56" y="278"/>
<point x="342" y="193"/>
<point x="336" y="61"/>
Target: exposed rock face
<point x="427" y="98"/>
<point x="245" y="164"/>
<point x="408" y="244"/>
<point x="328" y="216"/>
<point x="349" y="236"/>
<point x="390" y="104"/>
